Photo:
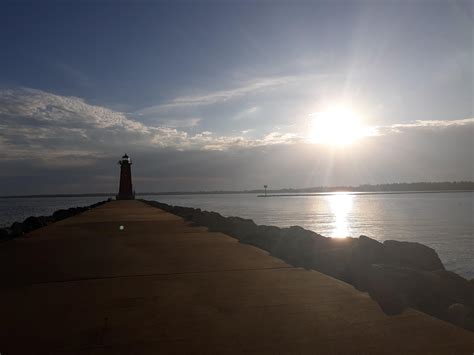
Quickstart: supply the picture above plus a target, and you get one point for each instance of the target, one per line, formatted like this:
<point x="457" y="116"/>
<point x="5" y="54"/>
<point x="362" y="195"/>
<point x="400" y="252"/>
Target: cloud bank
<point x="51" y="144"/>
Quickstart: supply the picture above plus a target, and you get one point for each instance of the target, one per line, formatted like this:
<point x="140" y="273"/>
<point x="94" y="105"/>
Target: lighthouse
<point x="125" y="189"/>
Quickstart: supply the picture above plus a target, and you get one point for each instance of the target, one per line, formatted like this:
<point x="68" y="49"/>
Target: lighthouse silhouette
<point x="125" y="189"/>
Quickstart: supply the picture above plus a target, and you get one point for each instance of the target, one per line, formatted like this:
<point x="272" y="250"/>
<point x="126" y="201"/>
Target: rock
<point x="297" y="246"/>
<point x="462" y="315"/>
<point x="390" y="287"/>
<point x="458" y="312"/>
<point x="18" y="229"/>
<point x="396" y="288"/>
<point x="5" y="234"/>
<point x="240" y="228"/>
<point x="366" y="251"/>
<point x="34" y="222"/>
<point x="412" y="255"/>
<point x="395" y="274"/>
<point x="370" y="249"/>
<point x="264" y="237"/>
<point x="335" y="259"/>
<point x="468" y="322"/>
<point x="61" y="214"/>
<point x="212" y="220"/>
<point x="455" y="287"/>
<point x="31" y="223"/>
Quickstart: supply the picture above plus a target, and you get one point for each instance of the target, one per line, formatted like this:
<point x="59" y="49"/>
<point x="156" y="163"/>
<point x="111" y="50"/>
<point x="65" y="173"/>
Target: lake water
<point x="443" y="221"/>
<point x="17" y="209"/>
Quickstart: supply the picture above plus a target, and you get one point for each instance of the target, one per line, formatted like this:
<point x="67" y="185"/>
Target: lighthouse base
<point x="125" y="197"/>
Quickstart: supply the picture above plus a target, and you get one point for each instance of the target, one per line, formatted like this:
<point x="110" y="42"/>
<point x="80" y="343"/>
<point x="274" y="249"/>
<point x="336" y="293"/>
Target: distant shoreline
<point x="363" y="193"/>
<point x="260" y="193"/>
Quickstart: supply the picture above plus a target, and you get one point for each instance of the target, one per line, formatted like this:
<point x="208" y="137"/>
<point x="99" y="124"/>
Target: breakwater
<point x="18" y="229"/>
<point x="397" y="275"/>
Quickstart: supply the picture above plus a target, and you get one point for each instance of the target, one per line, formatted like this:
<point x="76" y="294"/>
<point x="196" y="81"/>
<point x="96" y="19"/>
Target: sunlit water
<point x="443" y="221"/>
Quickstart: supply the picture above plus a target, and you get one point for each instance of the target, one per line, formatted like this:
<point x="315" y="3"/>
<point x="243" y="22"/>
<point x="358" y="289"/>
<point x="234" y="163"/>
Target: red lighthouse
<point x="125" y="190"/>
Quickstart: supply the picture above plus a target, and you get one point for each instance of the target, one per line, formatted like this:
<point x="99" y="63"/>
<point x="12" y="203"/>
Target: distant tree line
<point x="420" y="186"/>
<point x="392" y="187"/>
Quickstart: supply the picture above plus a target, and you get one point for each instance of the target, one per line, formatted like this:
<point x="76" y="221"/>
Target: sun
<point x="336" y="126"/>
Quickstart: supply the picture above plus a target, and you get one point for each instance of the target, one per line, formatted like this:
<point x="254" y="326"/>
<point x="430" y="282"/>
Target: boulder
<point x="19" y="229"/>
<point x="264" y="237"/>
<point x="390" y="287"/>
<point x="35" y="222"/>
<point x="458" y="313"/>
<point x="411" y="255"/>
<point x="239" y="228"/>
<point x="396" y="288"/>
<point x="395" y="274"/>
<point x="297" y="246"/>
<point x="364" y="254"/>
<point x="455" y="287"/>
<point x="61" y="214"/>
<point x="5" y="234"/>
<point x="335" y="259"/>
<point x="369" y="249"/>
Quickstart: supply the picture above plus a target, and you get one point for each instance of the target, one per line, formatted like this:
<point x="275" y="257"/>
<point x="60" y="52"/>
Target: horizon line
<point x="305" y="191"/>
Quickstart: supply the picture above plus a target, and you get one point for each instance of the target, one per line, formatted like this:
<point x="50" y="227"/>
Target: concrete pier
<point x="127" y="278"/>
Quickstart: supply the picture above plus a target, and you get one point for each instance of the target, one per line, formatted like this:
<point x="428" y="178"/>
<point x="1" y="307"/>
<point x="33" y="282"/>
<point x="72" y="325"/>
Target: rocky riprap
<point x="18" y="229"/>
<point x="397" y="275"/>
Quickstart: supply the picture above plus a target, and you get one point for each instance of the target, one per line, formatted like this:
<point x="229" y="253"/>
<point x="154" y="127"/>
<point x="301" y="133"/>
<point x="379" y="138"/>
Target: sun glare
<point x="336" y="126"/>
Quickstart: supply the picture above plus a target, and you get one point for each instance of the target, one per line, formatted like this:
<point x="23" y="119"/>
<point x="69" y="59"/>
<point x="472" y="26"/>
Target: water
<point x="17" y="209"/>
<point x="443" y="221"/>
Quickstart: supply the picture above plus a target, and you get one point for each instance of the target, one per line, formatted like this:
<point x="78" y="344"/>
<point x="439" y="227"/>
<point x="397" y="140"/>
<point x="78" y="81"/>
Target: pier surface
<point x="128" y="278"/>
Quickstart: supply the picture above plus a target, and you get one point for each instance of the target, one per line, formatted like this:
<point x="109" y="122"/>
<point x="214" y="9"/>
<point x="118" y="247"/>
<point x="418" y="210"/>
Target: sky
<point x="224" y="95"/>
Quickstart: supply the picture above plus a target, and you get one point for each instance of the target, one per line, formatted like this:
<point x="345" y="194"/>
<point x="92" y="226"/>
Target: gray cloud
<point x="41" y="125"/>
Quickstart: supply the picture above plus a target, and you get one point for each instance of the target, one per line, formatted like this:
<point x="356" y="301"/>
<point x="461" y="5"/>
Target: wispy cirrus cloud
<point x="423" y="124"/>
<point x="179" y="123"/>
<point x="218" y="96"/>
<point x="432" y="123"/>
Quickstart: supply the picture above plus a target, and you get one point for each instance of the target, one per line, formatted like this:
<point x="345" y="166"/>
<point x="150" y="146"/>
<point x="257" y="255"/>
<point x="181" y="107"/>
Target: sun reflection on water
<point x="341" y="206"/>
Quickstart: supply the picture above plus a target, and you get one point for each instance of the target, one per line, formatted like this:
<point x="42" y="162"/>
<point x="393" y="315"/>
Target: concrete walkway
<point x="84" y="286"/>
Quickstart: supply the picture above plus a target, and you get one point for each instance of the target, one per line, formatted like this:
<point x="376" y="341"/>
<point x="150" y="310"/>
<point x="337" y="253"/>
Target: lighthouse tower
<point x="125" y="190"/>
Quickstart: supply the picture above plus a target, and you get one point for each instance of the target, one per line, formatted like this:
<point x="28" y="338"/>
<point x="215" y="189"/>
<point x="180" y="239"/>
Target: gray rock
<point x="433" y="292"/>
<point x="365" y="253"/>
<point x="412" y="255"/>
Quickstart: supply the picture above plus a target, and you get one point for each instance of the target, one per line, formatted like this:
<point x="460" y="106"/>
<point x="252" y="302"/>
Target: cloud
<point x="40" y="125"/>
<point x="247" y="113"/>
<point x="52" y="143"/>
<point x="218" y="96"/>
<point x="423" y="124"/>
<point x="435" y="124"/>
<point x="179" y="123"/>
<point x="42" y="108"/>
